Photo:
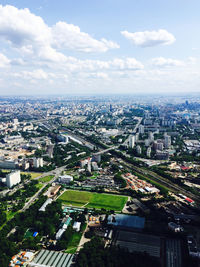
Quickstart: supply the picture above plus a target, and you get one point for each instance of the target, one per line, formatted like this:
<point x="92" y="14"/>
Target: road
<point x="56" y="173"/>
<point x="154" y="176"/>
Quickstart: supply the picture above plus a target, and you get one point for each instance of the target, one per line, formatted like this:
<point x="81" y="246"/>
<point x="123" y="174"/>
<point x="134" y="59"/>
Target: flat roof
<point x="49" y="258"/>
<point x="121" y="220"/>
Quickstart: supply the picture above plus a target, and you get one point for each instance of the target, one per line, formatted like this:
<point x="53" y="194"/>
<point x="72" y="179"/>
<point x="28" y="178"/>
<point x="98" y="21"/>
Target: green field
<point x="46" y="179"/>
<point x="93" y="200"/>
<point x="39" y="186"/>
<point x="33" y="174"/>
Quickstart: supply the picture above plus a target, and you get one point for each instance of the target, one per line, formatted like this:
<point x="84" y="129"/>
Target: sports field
<point x="93" y="200"/>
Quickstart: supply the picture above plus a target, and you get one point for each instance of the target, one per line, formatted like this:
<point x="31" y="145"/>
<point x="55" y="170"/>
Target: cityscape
<point x="99" y="134"/>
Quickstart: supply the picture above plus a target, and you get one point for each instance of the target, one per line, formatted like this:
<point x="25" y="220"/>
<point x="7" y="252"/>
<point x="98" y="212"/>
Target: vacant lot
<point x="93" y="200"/>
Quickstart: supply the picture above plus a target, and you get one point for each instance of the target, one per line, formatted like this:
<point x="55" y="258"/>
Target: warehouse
<point x="48" y="258"/>
<point x="126" y="221"/>
<point x="138" y="242"/>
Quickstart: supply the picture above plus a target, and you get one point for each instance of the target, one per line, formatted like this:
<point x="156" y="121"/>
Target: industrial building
<point x="123" y="221"/>
<point x="138" y="242"/>
<point x="49" y="258"/>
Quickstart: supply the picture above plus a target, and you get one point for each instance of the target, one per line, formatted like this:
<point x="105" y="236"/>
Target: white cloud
<point x="37" y="74"/>
<point x="31" y="36"/>
<point x="70" y="36"/>
<point x="149" y="38"/>
<point x="4" y="61"/>
<point x="167" y="62"/>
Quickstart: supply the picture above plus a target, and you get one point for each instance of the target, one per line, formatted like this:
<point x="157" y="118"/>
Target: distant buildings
<point x="13" y="178"/>
<point x="8" y="164"/>
<point x="15" y="139"/>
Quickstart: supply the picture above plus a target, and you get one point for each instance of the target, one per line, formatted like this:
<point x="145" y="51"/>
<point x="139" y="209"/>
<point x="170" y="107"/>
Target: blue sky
<point x="92" y="47"/>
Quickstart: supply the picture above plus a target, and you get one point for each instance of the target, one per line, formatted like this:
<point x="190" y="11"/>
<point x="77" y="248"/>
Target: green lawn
<point x="46" y="179"/>
<point x="39" y="185"/>
<point x="74" y="242"/>
<point x="33" y="174"/>
<point x="93" y="200"/>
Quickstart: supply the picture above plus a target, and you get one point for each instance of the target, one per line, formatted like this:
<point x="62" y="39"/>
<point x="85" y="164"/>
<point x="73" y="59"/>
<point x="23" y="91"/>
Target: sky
<point x="69" y="47"/>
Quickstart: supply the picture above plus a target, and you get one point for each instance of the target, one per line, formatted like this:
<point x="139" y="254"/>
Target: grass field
<point x="33" y="174"/>
<point x="75" y="240"/>
<point x="46" y="179"/>
<point x="93" y="200"/>
<point x="39" y="186"/>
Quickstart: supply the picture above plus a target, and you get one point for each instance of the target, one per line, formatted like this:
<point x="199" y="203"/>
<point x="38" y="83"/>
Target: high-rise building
<point x="136" y="137"/>
<point x="139" y="150"/>
<point x="96" y="157"/>
<point x="131" y="141"/>
<point x="37" y="162"/>
<point x="141" y="129"/>
<point x="167" y="141"/>
<point x="151" y="136"/>
<point x="13" y="178"/>
<point x="149" y="152"/>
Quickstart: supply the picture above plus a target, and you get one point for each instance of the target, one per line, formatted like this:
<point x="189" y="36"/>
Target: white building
<point x="131" y="141"/>
<point x="167" y="141"/>
<point x="15" y="139"/>
<point x="147" y="142"/>
<point x="65" y="179"/>
<point x="13" y="178"/>
<point x="77" y="226"/>
<point x="89" y="166"/>
<point x="38" y="162"/>
<point x="139" y="150"/>
<point x="141" y="129"/>
<point x="151" y="136"/>
<point x="149" y="152"/>
<point x="95" y="166"/>
<point x="136" y="137"/>
<point x="47" y="202"/>
<point x="60" y="233"/>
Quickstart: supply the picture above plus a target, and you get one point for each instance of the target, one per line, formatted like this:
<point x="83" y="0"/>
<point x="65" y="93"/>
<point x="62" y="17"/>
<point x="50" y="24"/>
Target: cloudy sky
<point x="99" y="46"/>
